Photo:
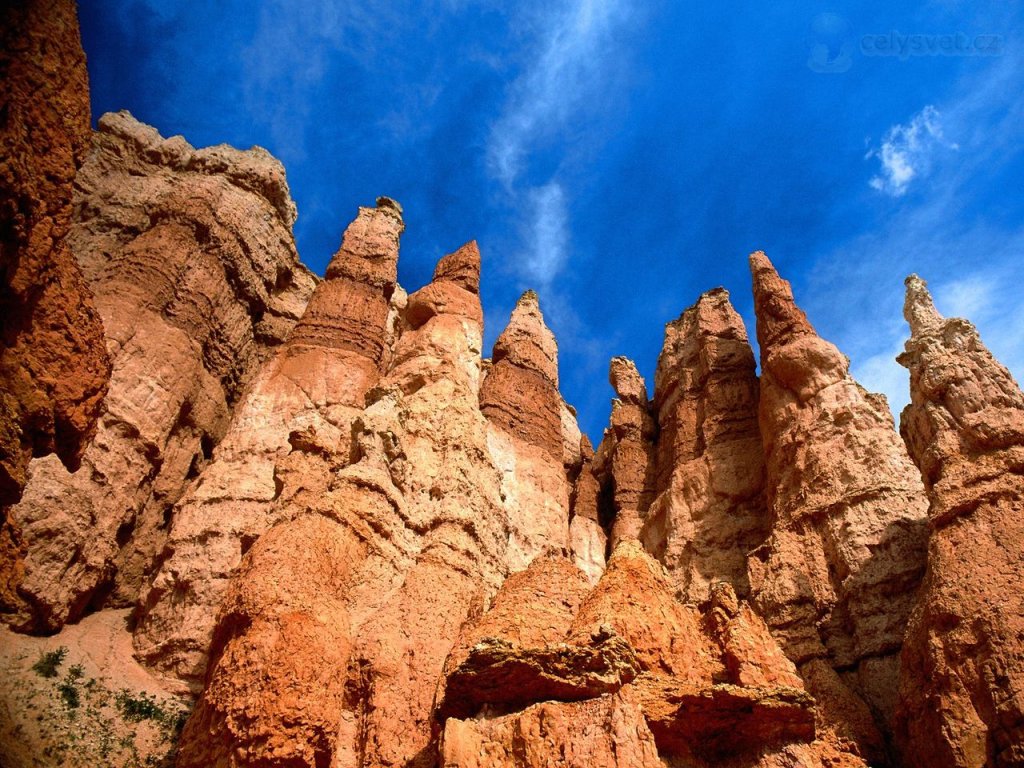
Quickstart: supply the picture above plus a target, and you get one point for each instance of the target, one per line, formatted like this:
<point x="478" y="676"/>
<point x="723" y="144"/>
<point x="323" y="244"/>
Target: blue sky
<point x="621" y="157"/>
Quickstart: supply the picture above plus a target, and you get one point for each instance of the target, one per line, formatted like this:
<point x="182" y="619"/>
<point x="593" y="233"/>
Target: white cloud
<point x="970" y="297"/>
<point x="547" y="235"/>
<point x="855" y="293"/>
<point x="566" y="69"/>
<point x="563" y="73"/>
<point x="906" y="151"/>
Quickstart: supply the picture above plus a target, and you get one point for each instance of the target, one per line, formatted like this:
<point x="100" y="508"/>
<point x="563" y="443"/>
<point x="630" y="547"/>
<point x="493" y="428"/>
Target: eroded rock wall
<point x="357" y="544"/>
<point x="838" y="575"/>
<point x="190" y="256"/>
<point x="307" y="395"/>
<point x="710" y="510"/>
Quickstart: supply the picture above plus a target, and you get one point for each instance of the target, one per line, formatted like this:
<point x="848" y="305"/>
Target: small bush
<point x="135" y="709"/>
<point x="68" y="687"/>
<point x="48" y="662"/>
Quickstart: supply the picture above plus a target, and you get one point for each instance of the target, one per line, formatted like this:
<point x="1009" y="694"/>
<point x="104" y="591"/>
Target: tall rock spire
<point x="520" y="393"/>
<point x="520" y="398"/>
<point x="402" y="544"/>
<point x="625" y="457"/>
<point x="962" y="682"/>
<point x="710" y="511"/>
<point x="837" y="576"/>
<point x="349" y="311"/>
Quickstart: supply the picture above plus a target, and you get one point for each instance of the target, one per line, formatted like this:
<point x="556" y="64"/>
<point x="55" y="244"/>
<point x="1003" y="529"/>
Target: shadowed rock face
<point x="837" y="577"/>
<point x="53" y="363"/>
<point x="190" y="256"/>
<point x="961" y="700"/>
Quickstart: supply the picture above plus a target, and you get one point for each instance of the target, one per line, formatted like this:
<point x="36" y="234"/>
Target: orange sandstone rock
<point x="191" y="259"/>
<point x="317" y="379"/>
<point x="962" y="681"/>
<point x="710" y="509"/>
<point x="837" y="577"/>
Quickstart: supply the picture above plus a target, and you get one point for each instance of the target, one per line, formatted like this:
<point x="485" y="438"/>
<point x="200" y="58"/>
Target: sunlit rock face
<point x="710" y="509"/>
<point x="838" y="575"/>
<point x="962" y="676"/>
<point x="315" y="511"/>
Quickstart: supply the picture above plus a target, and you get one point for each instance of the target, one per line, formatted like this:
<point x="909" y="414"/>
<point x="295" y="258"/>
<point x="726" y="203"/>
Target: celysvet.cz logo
<point x="905" y="46"/>
<point x="833" y="46"/>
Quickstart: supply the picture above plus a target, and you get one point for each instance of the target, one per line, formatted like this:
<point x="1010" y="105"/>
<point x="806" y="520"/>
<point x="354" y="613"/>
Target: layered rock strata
<point x="962" y="681"/>
<point x="525" y="413"/>
<point x="837" y="577"/>
<point x="190" y="256"/>
<point x="53" y="363"/>
<point x="360" y="545"/>
<point x="411" y="511"/>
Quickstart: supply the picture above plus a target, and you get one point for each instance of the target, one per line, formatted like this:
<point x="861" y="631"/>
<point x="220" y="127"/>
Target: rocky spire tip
<point x="626" y="380"/>
<point x="389" y="204"/>
<point x="461" y="267"/>
<point x="778" y="316"/>
<point x="529" y="297"/>
<point x="918" y="307"/>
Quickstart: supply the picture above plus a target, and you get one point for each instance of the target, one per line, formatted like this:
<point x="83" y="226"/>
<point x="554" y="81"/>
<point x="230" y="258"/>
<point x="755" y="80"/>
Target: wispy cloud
<point x="290" y="53"/>
<point x="546" y="235"/>
<point x="565" y="68"/>
<point x="906" y="151"/>
<point x="563" y="73"/>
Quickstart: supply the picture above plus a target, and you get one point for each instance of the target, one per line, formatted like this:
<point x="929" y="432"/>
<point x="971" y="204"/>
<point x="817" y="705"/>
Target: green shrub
<point x="68" y="687"/>
<point x="48" y="662"/>
<point x="135" y="709"/>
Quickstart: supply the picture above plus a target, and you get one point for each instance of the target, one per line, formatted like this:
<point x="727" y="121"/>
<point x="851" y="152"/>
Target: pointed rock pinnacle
<point x="918" y="308"/>
<point x="778" y="316"/>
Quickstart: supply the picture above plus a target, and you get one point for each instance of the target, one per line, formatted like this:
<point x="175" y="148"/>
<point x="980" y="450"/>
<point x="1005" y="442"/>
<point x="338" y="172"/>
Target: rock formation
<point x="588" y="539"/>
<point x="837" y="577"/>
<point x="520" y="398"/>
<point x="710" y="510"/>
<point x="353" y="542"/>
<point x="625" y="458"/>
<point x="313" y="387"/>
<point x="190" y="256"/>
<point x="962" y="681"/>
<point x="53" y="363"/>
<point x="622" y="674"/>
